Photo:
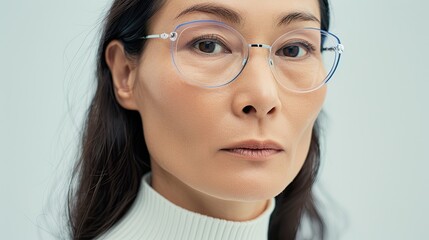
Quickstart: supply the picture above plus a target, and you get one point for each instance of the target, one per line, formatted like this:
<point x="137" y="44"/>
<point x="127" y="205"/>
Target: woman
<point x="203" y="125"/>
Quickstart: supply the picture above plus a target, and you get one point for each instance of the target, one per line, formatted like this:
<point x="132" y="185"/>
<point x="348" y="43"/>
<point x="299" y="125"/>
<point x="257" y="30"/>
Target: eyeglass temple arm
<point x="339" y="48"/>
<point x="172" y="36"/>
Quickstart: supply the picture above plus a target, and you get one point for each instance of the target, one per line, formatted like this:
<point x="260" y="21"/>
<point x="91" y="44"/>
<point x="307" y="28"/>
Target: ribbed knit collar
<point x="154" y="217"/>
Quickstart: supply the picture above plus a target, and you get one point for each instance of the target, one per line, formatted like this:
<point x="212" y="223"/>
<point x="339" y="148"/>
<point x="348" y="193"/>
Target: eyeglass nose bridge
<point x="260" y="45"/>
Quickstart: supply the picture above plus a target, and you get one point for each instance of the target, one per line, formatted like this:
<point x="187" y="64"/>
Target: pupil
<point x="207" y="47"/>
<point x="292" y="51"/>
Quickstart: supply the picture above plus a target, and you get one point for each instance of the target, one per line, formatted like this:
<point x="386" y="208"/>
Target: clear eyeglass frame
<point x="298" y="74"/>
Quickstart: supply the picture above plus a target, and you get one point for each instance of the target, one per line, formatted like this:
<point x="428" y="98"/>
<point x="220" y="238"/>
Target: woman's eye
<point x="293" y="51"/>
<point x="210" y="47"/>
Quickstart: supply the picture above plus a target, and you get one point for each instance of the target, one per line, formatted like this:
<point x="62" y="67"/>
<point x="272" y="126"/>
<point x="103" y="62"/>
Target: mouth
<point x="254" y="150"/>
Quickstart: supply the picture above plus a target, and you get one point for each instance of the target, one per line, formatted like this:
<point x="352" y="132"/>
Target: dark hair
<point x="112" y="161"/>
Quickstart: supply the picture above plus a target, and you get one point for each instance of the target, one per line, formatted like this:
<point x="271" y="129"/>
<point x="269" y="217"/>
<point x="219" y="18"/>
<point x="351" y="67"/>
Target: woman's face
<point x="245" y="141"/>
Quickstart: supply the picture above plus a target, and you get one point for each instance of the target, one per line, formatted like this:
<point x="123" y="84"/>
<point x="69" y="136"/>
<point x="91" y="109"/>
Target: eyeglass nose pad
<point x="270" y="62"/>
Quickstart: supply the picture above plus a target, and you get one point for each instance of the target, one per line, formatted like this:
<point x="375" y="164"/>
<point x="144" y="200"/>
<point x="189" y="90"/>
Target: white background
<point x="375" y="162"/>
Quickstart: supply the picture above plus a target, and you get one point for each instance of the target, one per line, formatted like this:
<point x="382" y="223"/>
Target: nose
<point x="257" y="92"/>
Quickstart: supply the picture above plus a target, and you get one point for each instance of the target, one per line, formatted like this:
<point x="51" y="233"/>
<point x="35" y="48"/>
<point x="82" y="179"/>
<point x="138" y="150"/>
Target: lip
<point x="254" y="150"/>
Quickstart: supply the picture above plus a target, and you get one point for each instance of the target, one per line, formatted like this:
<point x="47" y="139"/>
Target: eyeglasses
<point x="212" y="54"/>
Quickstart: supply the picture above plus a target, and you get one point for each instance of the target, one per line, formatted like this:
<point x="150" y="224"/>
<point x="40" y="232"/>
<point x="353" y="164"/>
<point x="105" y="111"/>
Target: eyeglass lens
<point x="212" y="54"/>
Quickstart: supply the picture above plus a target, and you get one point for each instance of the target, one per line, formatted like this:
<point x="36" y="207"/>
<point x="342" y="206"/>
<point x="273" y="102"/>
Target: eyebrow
<point x="298" y="16"/>
<point x="234" y="17"/>
<point x="225" y="13"/>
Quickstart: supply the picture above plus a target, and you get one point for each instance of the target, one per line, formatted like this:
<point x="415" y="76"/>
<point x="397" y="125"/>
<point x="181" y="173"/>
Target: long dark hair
<point x="113" y="157"/>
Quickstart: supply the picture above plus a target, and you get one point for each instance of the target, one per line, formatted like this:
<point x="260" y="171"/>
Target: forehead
<point x="243" y="14"/>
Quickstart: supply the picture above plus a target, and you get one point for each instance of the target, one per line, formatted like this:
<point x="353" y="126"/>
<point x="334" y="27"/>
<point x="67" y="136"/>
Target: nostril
<point x="247" y="109"/>
<point x="272" y="110"/>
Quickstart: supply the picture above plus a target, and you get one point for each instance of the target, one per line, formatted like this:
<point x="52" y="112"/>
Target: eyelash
<point x="307" y="45"/>
<point x="208" y="37"/>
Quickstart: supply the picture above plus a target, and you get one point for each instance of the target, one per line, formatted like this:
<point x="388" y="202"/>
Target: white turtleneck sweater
<point x="153" y="217"/>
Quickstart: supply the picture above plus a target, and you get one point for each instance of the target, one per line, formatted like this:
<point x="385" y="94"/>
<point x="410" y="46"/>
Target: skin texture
<point x="186" y="126"/>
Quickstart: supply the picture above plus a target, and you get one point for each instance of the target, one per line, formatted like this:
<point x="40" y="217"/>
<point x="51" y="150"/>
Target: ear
<point x="123" y="70"/>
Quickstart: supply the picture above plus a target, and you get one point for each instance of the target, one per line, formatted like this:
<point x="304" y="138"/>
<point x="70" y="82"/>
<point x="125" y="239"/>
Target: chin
<point x="250" y="190"/>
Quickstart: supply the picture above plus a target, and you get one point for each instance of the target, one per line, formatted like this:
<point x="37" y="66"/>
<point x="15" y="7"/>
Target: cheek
<point x="176" y="116"/>
<point x="302" y="109"/>
<point x="303" y="114"/>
